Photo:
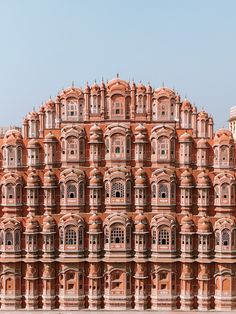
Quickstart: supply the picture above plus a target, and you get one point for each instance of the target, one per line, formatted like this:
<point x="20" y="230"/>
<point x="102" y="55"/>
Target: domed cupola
<point x="203" y="188"/>
<point x="50" y="147"/>
<point x="141" y="235"/>
<point x="223" y="149"/>
<point x="33" y="149"/>
<point x="33" y="187"/>
<point x="31" y="237"/>
<point x="187" y="236"/>
<point x="48" y="232"/>
<point x="95" y="189"/>
<point x="141" y="89"/>
<point x="95" y="235"/>
<point x="186" y="187"/>
<point x="140" y="144"/>
<point x="202" y="153"/>
<point x="186" y="149"/>
<point x="33" y="124"/>
<point x="12" y="149"/>
<point x="140" y="189"/>
<point x="95" y="143"/>
<point x="49" y="188"/>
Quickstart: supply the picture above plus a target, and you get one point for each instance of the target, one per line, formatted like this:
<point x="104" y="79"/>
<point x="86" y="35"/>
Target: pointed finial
<point x="95" y="81"/>
<point x="102" y="80"/>
<point x="148" y="82"/>
<point x="117" y="75"/>
<point x="163" y="84"/>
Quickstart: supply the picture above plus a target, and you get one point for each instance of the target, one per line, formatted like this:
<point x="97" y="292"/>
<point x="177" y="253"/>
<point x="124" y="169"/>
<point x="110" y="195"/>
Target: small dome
<point x="95" y="222"/>
<point x="95" y="88"/>
<point x="48" y="224"/>
<point x="140" y="223"/>
<point x="203" y="179"/>
<point x="204" y="224"/>
<point x="186" y="105"/>
<point x="33" y="115"/>
<point x="32" y="225"/>
<point x="95" y="177"/>
<point x="95" y="128"/>
<point x="202" y="115"/>
<point x="187" y="224"/>
<point x="140" y="177"/>
<point x="202" y="143"/>
<point x="141" y="88"/>
<point x="33" y="143"/>
<point x="49" y="105"/>
<point x="223" y="136"/>
<point x="186" y="178"/>
<point x="50" y="137"/>
<point x="185" y="137"/>
<point x="140" y="128"/>
<point x="13" y="137"/>
<point x="50" y="178"/>
<point x="33" y="178"/>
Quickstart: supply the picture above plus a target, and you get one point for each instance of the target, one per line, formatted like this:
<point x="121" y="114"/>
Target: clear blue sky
<point x="45" y="45"/>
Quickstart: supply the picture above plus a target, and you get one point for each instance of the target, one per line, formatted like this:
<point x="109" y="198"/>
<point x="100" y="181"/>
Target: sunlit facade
<point x="117" y="196"/>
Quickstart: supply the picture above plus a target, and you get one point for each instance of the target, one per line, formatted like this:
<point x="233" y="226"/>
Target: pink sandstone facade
<point x="117" y="196"/>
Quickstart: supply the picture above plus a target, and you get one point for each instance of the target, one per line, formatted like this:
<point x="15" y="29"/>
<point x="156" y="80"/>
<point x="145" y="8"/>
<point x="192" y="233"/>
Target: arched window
<point x="217" y="238"/>
<point x="72" y="148"/>
<point x="117" y="150"/>
<point x="225" y="237"/>
<point x="10" y="191"/>
<point x="71" y="191"/>
<point x="163" y="148"/>
<point x="117" y="235"/>
<point x="163" y="190"/>
<point x="62" y="190"/>
<point x="70" y="238"/>
<point x="154" y="190"/>
<point x="154" y="236"/>
<point x="8" y="237"/>
<point x="117" y="190"/>
<point x="163" y="237"/>
<point x="225" y="191"/>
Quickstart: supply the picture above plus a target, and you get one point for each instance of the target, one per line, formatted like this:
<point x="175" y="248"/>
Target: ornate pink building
<point x="117" y="196"/>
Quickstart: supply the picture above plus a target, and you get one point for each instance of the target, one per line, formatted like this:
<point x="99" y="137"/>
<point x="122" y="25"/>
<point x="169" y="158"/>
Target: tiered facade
<point x="118" y="196"/>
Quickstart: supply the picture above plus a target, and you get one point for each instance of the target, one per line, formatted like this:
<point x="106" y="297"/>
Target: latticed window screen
<point x="70" y="237"/>
<point x="163" y="237"/>
<point x="61" y="235"/>
<point x="225" y="237"/>
<point x="80" y="235"/>
<point x="73" y="147"/>
<point x="154" y="191"/>
<point x="8" y="238"/>
<point x="72" y="110"/>
<point x="163" y="190"/>
<point x="117" y="189"/>
<point x="163" y="147"/>
<point x="62" y="190"/>
<point x="81" y="191"/>
<point x="71" y="191"/>
<point x="154" y="236"/>
<point x="107" y="189"/>
<point x="117" y="235"/>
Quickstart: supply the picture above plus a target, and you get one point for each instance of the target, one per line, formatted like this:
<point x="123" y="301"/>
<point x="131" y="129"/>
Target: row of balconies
<point x="75" y="247"/>
<point x="51" y="157"/>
